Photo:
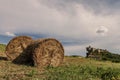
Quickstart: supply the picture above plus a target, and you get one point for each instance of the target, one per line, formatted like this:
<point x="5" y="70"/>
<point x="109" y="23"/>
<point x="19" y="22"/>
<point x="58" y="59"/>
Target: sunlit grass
<point x="2" y="47"/>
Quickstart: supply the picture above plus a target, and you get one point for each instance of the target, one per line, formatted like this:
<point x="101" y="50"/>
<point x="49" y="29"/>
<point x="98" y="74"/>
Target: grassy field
<point x="73" y="68"/>
<point x="2" y="47"/>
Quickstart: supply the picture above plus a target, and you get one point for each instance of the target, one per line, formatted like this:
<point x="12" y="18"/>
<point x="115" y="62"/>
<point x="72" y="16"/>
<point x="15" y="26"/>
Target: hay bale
<point x="15" y="50"/>
<point x="46" y="52"/>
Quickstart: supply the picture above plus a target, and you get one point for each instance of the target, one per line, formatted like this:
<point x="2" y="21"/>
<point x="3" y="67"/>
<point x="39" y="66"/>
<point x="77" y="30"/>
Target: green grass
<point x="82" y="73"/>
<point x="73" y="68"/>
<point x="2" y="47"/>
<point x="84" y="69"/>
<point x="111" y="57"/>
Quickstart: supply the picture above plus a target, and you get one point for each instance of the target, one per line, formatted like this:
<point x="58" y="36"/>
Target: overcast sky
<point x="88" y="22"/>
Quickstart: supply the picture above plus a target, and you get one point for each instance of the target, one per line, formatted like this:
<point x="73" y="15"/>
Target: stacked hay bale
<point x="41" y="53"/>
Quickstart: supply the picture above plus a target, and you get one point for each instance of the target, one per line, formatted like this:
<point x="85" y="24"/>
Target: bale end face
<point x="15" y="50"/>
<point x="48" y="52"/>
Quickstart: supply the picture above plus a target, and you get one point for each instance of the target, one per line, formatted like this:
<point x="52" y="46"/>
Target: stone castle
<point x="95" y="53"/>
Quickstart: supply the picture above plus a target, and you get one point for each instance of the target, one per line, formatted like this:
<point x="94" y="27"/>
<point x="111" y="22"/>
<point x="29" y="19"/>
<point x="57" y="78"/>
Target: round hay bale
<point x="15" y="50"/>
<point x="47" y="52"/>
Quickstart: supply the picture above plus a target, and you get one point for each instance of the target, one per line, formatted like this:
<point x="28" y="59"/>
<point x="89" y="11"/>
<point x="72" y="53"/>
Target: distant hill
<point x="2" y="47"/>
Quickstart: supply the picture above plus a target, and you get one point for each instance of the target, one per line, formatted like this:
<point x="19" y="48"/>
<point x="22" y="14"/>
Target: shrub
<point x="111" y="57"/>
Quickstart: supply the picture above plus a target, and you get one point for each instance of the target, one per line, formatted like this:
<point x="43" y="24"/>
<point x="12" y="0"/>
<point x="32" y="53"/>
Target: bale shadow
<point x="3" y="58"/>
<point x="25" y="58"/>
<point x="21" y="60"/>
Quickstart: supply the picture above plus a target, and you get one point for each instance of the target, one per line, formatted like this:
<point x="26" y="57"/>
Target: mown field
<point x="73" y="68"/>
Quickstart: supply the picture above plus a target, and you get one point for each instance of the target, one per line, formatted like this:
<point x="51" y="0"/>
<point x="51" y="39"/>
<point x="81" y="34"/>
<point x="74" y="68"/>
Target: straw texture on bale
<point x="46" y="52"/>
<point x="15" y="50"/>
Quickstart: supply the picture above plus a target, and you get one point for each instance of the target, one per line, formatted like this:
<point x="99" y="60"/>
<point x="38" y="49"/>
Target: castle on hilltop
<point x="95" y="53"/>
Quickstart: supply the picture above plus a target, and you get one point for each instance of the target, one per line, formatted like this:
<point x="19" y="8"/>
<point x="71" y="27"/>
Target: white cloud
<point x="102" y="30"/>
<point x="10" y="34"/>
<point x="33" y="16"/>
<point x="59" y="17"/>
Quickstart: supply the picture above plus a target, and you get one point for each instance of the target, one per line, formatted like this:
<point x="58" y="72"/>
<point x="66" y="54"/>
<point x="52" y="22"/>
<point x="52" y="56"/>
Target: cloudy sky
<point x="76" y="23"/>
